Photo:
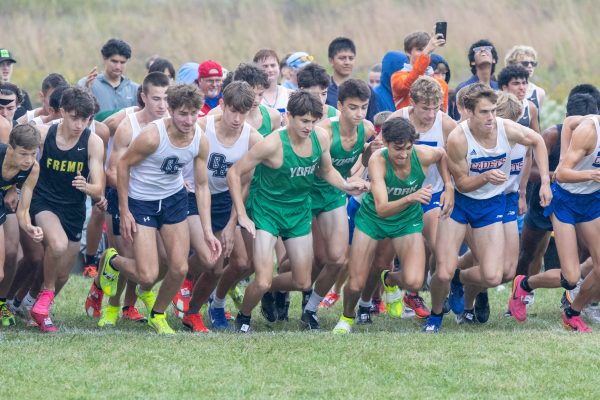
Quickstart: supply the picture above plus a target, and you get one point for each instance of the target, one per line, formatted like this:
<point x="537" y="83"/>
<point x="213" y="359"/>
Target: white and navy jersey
<point x="31" y="116"/>
<point x="533" y="94"/>
<point x="588" y="162"/>
<point x="480" y="160"/>
<point x="434" y="137"/>
<point x="135" y="131"/>
<point x="517" y="162"/>
<point x="35" y="120"/>
<point x="525" y="119"/>
<point x="159" y="175"/>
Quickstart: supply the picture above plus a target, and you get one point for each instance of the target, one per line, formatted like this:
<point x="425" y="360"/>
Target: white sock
<point x="218" y="303"/>
<point x="313" y="302"/>
<point x="362" y="303"/>
<point x="28" y="301"/>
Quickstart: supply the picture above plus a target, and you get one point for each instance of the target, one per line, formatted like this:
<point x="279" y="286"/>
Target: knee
<point x="239" y="263"/>
<point x="413" y="284"/>
<point x="355" y="285"/>
<point x="179" y="269"/>
<point x="302" y="283"/>
<point x="493" y="280"/>
<point x="263" y="284"/>
<point x="147" y="278"/>
<point x="58" y="247"/>
<point x="442" y="275"/>
<point x="569" y="281"/>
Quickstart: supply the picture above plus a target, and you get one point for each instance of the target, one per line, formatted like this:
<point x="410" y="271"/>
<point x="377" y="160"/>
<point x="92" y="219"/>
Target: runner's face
<point x="73" y="123"/>
<point x="184" y="119"/>
<point x="343" y="63"/>
<point x="354" y="110"/>
<point x="399" y="153"/>
<point x="319" y="91"/>
<point x="518" y="87"/>
<point x="483" y="118"/>
<point x="233" y="119"/>
<point x="45" y="98"/>
<point x="8" y="110"/>
<point x="259" y="93"/>
<point x="211" y="87"/>
<point x="301" y="125"/>
<point x="114" y="66"/>
<point x="6" y="68"/>
<point x="156" y="101"/>
<point x="271" y="67"/>
<point x="374" y="78"/>
<point x="24" y="158"/>
<point x="425" y="112"/>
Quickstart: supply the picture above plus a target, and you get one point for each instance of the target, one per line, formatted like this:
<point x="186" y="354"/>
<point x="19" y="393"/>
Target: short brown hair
<point x="416" y="40"/>
<point x="508" y="106"/>
<point x="239" y="95"/>
<point x="26" y="136"/>
<point x="426" y="90"/>
<point x="263" y="54"/>
<point x="381" y="117"/>
<point x="478" y="91"/>
<point x="185" y="96"/>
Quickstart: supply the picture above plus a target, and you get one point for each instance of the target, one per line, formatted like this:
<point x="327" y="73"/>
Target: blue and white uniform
<point x="525" y="118"/>
<point x="517" y="162"/>
<point x="156" y="192"/>
<point x="574" y="203"/>
<point x="485" y="205"/>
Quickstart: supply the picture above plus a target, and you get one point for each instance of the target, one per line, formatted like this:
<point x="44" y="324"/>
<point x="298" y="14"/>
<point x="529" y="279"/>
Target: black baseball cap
<point x="6" y="55"/>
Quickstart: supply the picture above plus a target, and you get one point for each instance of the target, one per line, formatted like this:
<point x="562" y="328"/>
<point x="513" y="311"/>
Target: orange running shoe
<point x="90" y="271"/>
<point x="93" y="302"/>
<point x="132" y="314"/>
<point x="194" y="323"/>
<point x="181" y="301"/>
<point x="416" y="303"/>
<point x="330" y="300"/>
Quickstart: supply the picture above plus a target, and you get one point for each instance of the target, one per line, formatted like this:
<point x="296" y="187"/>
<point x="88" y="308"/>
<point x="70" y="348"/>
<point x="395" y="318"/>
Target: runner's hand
<point x="213" y="245"/>
<point x="545" y="195"/>
<point x="495" y="176"/>
<point x="11" y="199"/>
<point x="227" y="239"/>
<point x="356" y="187"/>
<point x="447" y="203"/>
<point x="422" y="195"/>
<point x="35" y="233"/>
<point x="247" y="224"/>
<point x="102" y="204"/>
<point x="80" y="183"/>
<point x="522" y="204"/>
<point x="128" y="226"/>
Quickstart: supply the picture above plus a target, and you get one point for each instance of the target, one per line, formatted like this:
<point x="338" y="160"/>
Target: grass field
<point x="388" y="359"/>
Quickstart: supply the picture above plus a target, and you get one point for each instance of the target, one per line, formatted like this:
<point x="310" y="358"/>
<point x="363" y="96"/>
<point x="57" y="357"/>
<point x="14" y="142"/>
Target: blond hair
<point x="517" y="52"/>
<point x="508" y="106"/>
<point x="426" y="90"/>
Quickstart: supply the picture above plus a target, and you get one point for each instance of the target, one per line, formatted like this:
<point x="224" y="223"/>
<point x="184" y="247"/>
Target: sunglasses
<point x="480" y="49"/>
<point x="528" y="63"/>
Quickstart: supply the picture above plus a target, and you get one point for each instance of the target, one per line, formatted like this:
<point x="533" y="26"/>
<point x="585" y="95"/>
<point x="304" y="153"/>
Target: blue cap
<point x="298" y="60"/>
<point x="188" y="73"/>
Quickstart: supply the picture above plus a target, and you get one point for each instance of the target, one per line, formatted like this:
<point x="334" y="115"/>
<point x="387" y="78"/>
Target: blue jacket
<point x="392" y="61"/>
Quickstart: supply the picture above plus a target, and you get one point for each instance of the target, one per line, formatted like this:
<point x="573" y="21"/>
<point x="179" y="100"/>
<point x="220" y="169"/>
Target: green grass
<point x="389" y="359"/>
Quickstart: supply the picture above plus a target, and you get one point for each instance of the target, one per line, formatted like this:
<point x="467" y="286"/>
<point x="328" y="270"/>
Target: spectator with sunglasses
<point x="526" y="57"/>
<point x="482" y="59"/>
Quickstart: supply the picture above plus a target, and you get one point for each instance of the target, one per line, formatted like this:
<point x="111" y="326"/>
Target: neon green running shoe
<point x="160" y="324"/>
<point x="392" y="297"/>
<point x="109" y="277"/>
<point x="344" y="326"/>
<point x="8" y="319"/>
<point x="147" y="297"/>
<point x="237" y="296"/>
<point x="110" y="315"/>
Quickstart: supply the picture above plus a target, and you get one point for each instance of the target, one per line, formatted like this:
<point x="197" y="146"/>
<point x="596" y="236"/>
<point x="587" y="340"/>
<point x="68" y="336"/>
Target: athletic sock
<point x="313" y="302"/>
<point x="90" y="259"/>
<point x="362" y="303"/>
<point x="194" y="308"/>
<point x="16" y="302"/>
<point x="125" y="308"/>
<point x="469" y="310"/>
<point x="571" y="313"/>
<point x="2" y="299"/>
<point x="110" y="262"/>
<point x="218" y="303"/>
<point x="525" y="285"/>
<point x="385" y="275"/>
<point x="456" y="277"/>
<point x="153" y="313"/>
<point x="28" y="300"/>
<point x="437" y="315"/>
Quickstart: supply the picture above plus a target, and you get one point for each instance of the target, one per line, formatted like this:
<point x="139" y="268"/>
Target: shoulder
<point x="325" y="124"/>
<point x="101" y="130"/>
<point x="447" y="122"/>
<point x="369" y="128"/>
<point x="323" y="136"/>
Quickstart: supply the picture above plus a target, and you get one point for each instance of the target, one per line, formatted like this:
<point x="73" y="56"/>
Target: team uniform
<point x="485" y="205"/>
<point x="280" y="204"/>
<point x="325" y="197"/>
<point x="525" y="118"/>
<point x="6" y="184"/>
<point x="517" y="161"/>
<point x="281" y="101"/>
<point x="406" y="222"/>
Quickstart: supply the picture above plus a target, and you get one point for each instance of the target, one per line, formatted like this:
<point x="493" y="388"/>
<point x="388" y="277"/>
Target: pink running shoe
<point x="41" y="310"/>
<point x="516" y="304"/>
<point x="575" y="324"/>
<point x="47" y="325"/>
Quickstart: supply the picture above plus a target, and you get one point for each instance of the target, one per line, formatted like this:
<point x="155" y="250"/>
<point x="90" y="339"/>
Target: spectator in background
<point x="526" y="56"/>
<point x="482" y="59"/>
<point x="188" y="73"/>
<point x="295" y="63"/>
<point x="374" y="76"/>
<point x="392" y="61"/>
<point x="163" y="65"/>
<point x="284" y="70"/>
<point x="418" y="47"/>
<point x="275" y="96"/>
<point x="6" y="68"/>
<point x="210" y="81"/>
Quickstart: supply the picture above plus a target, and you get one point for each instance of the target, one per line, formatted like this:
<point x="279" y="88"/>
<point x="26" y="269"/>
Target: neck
<point x="420" y="126"/>
<point x="346" y="127"/>
<point x="66" y="133"/>
<point x="113" y="81"/>
<point x="339" y="79"/>
<point x="227" y="131"/>
<point x="272" y="89"/>
<point x="295" y="138"/>
<point x="484" y="73"/>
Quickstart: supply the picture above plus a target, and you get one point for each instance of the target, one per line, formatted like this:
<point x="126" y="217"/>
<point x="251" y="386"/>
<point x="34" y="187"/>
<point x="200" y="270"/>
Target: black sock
<point x="90" y="259"/>
<point x="525" y="285"/>
<point x="571" y="313"/>
<point x="456" y="277"/>
<point x="110" y="261"/>
<point x="437" y="315"/>
<point x="469" y="310"/>
<point x="244" y="318"/>
<point x="385" y="275"/>
<point x="16" y="302"/>
<point x="125" y="308"/>
<point x="3" y="299"/>
<point x="153" y="313"/>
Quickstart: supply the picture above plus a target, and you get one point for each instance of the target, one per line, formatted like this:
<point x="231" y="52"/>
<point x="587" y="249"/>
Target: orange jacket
<point x="401" y="82"/>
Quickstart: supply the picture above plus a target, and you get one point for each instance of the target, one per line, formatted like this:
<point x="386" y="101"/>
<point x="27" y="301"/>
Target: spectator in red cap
<point x="210" y="80"/>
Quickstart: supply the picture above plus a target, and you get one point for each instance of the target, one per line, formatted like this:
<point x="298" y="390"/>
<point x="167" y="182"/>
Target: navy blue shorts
<point x="434" y="203"/>
<point x="511" y="209"/>
<point x="573" y="208"/>
<point x="112" y="198"/>
<point x="220" y="209"/>
<point x="156" y="213"/>
<point x="534" y="217"/>
<point x="478" y="213"/>
<point x="352" y="209"/>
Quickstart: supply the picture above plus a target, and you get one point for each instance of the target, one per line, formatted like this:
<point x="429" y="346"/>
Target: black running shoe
<point x="310" y="320"/>
<point x="446" y="308"/>
<point x="482" y="307"/>
<point x="282" y="305"/>
<point x="363" y="316"/>
<point x="305" y="296"/>
<point x="267" y="307"/>
<point x="242" y="323"/>
<point x="466" y="317"/>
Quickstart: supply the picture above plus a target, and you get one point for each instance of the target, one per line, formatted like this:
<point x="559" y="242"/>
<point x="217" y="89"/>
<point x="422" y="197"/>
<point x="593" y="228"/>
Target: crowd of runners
<point x="279" y="174"/>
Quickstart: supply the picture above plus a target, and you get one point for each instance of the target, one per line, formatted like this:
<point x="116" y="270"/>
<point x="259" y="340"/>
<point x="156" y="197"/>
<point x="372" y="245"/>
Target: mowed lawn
<point x="389" y="359"/>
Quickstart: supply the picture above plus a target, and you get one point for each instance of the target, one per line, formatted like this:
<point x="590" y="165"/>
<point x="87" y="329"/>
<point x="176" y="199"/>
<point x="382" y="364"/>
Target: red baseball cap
<point x="209" y="68"/>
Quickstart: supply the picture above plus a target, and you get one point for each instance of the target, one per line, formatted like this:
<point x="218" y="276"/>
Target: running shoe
<point x="181" y="301"/>
<point x="282" y="305"/>
<point x="482" y="307"/>
<point x="377" y="307"/>
<point x="147" y="297"/>
<point x="90" y="271"/>
<point x="363" y="317"/>
<point x="310" y="320"/>
<point x="592" y="312"/>
<point x="456" y="298"/>
<point x="24" y="312"/>
<point x="408" y="313"/>
<point x="242" y="324"/>
<point x="516" y="304"/>
<point x="267" y="307"/>
<point x="217" y="318"/>
<point x="344" y="326"/>
<point x="392" y="297"/>
<point x="237" y="296"/>
<point x="329" y="300"/>
<point x="110" y="315"/>
<point x="8" y="319"/>
<point x="93" y="301"/>
<point x="575" y="323"/>
<point x="131" y="313"/>
<point x="467" y="317"/>
<point x="416" y="303"/>
<point x="109" y="276"/>
<point x="194" y="323"/>
<point x="572" y="293"/>
<point x="41" y="310"/>
<point x="160" y="324"/>
<point x="46" y="325"/>
<point x="432" y="325"/>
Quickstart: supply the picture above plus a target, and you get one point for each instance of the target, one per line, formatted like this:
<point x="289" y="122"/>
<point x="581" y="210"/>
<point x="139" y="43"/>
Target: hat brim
<point x="8" y="59"/>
